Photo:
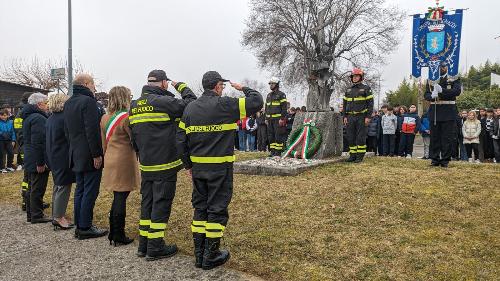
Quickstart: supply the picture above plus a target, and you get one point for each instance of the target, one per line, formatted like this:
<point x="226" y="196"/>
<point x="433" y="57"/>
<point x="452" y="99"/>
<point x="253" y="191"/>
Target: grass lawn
<point x="385" y="219"/>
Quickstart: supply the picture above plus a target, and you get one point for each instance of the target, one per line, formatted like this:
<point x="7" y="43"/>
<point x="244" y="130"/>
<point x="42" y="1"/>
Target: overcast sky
<point x="120" y="41"/>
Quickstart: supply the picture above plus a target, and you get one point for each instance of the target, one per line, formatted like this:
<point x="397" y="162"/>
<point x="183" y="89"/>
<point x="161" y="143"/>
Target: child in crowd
<point x="251" y="130"/>
<point x="425" y="132"/>
<point x="410" y="122"/>
<point x="489" y="152"/>
<point x="471" y="130"/>
<point x="7" y="141"/>
<point x="389" y="126"/>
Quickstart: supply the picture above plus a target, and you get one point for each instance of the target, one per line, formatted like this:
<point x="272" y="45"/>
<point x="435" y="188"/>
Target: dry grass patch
<point x="391" y="219"/>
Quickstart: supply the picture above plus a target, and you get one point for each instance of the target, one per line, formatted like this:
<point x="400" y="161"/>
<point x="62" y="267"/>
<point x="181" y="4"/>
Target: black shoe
<point x="212" y="256"/>
<point x="444" y="165"/>
<point x="41" y="220"/>
<point x="143" y="247"/>
<point x="118" y="236"/>
<point x="58" y="226"/>
<point x="435" y="164"/>
<point x="199" y="247"/>
<point x="352" y="158"/>
<point x="45" y="205"/>
<point x="157" y="249"/>
<point x="92" y="232"/>
<point x="359" y="158"/>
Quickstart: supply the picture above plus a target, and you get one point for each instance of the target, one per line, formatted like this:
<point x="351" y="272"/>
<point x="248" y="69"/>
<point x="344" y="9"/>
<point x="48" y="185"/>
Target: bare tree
<point x="318" y="41"/>
<point x="36" y="73"/>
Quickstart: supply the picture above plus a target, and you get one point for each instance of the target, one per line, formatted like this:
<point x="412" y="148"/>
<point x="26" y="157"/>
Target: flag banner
<point x="436" y="39"/>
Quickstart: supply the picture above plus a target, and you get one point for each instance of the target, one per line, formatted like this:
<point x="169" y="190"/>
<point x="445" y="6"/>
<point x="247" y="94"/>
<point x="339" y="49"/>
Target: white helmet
<point x="274" y="80"/>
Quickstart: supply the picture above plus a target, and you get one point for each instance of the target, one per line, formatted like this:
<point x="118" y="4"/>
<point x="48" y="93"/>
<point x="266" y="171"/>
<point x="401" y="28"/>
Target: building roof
<point x="24" y="87"/>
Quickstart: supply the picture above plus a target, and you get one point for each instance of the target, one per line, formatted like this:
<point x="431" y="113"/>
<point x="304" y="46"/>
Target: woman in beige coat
<point x="121" y="168"/>
<point x="471" y="131"/>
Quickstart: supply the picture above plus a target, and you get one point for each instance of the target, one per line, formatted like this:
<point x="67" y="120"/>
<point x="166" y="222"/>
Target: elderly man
<point x="81" y="121"/>
<point x="34" y="118"/>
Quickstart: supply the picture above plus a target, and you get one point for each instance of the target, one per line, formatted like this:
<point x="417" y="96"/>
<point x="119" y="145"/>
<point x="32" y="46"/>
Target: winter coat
<point x="251" y="125"/>
<point x="451" y="90"/>
<point x="373" y="127"/>
<point x="57" y="148"/>
<point x="496" y="128"/>
<point x="389" y="124"/>
<point x="7" y="132"/>
<point x="34" y="121"/>
<point x="471" y="129"/>
<point x="81" y="120"/>
<point x="121" y="167"/>
<point x="410" y="123"/>
<point x="290" y="118"/>
<point x="425" y="126"/>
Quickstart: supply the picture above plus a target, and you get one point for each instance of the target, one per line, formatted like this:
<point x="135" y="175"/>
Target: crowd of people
<point x="129" y="145"/>
<point x="392" y="131"/>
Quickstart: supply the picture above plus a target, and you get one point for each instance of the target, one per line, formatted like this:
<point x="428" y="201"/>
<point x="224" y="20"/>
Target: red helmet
<point x="357" y="71"/>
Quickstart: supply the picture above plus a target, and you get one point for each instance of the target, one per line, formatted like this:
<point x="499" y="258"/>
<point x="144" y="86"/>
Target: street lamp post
<point x="70" y="52"/>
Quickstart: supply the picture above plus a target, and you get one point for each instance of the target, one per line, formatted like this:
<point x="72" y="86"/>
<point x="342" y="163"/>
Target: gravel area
<point x="36" y="252"/>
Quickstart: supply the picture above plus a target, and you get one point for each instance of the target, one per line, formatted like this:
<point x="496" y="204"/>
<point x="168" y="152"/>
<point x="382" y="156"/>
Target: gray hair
<point x="37" y="98"/>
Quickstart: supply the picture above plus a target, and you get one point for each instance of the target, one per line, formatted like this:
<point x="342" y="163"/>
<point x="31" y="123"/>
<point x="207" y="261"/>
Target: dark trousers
<point x="372" y="145"/>
<point x="469" y="147"/>
<point x="87" y="190"/>
<point x="356" y="133"/>
<point x="6" y="150"/>
<point x="443" y="136"/>
<point x="496" y="146"/>
<point x="35" y="193"/>
<point x="212" y="193"/>
<point x="25" y="186"/>
<point x="119" y="205"/>
<point x="262" y="138"/>
<point x="406" y="144"/>
<point x="276" y="136"/>
<point x="156" y="205"/>
<point x="388" y="143"/>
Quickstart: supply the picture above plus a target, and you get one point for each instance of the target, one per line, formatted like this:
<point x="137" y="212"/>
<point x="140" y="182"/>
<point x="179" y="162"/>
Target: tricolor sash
<point x="113" y="122"/>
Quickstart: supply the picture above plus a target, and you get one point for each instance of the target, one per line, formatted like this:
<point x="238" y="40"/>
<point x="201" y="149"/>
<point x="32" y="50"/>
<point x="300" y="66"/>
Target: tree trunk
<point x="318" y="97"/>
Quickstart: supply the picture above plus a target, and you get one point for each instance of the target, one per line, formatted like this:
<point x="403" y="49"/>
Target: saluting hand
<point x="237" y="86"/>
<point x="173" y="83"/>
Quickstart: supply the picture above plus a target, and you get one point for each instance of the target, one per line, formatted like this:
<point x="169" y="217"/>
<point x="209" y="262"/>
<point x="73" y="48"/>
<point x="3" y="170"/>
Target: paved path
<point x="36" y="252"/>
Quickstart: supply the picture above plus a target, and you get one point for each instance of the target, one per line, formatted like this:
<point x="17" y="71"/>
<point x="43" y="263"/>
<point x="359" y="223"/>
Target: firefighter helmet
<point x="357" y="71"/>
<point x="274" y="80"/>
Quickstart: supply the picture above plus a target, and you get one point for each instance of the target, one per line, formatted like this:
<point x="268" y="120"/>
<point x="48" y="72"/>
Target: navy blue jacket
<point x="83" y="130"/>
<point x="58" y="150"/>
<point x="34" y="121"/>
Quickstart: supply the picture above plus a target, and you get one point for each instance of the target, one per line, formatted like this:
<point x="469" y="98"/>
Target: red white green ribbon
<point x="303" y="138"/>
<point x="113" y="122"/>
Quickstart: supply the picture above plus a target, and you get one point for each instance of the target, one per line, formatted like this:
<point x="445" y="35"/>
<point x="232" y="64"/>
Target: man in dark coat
<point x="81" y="122"/>
<point x="35" y="159"/>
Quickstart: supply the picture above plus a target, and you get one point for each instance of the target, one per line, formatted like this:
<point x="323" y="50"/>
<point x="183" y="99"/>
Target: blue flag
<point x="436" y="40"/>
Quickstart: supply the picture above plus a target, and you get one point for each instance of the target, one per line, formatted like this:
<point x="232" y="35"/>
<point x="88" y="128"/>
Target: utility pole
<point x="70" y="52"/>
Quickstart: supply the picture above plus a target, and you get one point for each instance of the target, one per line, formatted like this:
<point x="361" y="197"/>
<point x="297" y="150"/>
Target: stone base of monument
<point x="330" y="125"/>
<point x="277" y="166"/>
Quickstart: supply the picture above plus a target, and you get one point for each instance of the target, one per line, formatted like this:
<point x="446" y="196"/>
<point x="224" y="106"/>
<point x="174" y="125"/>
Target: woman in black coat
<point x="34" y="119"/>
<point x="58" y="161"/>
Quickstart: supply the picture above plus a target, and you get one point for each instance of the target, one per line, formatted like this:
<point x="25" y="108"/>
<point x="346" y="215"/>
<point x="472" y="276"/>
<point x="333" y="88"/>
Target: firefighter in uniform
<point x="18" y="127"/>
<point x="442" y="116"/>
<point x="276" y="110"/>
<point x="152" y="121"/>
<point x="357" y="110"/>
<point x="208" y="126"/>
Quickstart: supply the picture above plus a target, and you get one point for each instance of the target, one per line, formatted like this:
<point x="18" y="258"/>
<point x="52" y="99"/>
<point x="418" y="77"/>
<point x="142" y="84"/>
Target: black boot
<point x="157" y="249"/>
<point x="352" y="157"/>
<point x="212" y="256"/>
<point x="143" y="247"/>
<point x="119" y="237"/>
<point x="199" y="246"/>
<point x="359" y="158"/>
<point x="111" y="227"/>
